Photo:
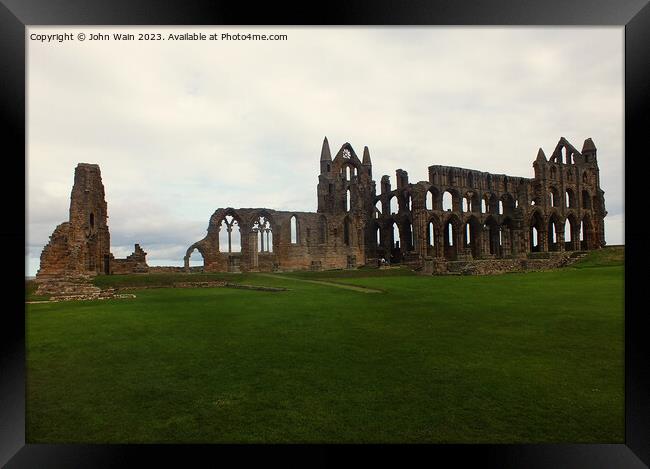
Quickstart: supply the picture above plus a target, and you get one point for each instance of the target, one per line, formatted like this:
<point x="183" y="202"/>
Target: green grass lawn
<point x="533" y="357"/>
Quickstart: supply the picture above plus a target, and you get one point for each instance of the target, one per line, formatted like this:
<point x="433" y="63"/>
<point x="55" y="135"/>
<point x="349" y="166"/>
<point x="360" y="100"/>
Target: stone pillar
<point x="261" y="236"/>
<point x="485" y="239"/>
<point x="252" y="247"/>
<point x="507" y="243"/>
<point x="542" y="240"/>
<point x="477" y="242"/>
<point x="458" y="241"/>
<point x="438" y="243"/>
<point x="421" y="227"/>
<point x="559" y="236"/>
<point x="514" y="241"/>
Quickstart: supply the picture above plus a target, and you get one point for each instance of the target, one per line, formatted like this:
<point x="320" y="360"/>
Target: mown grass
<point x="535" y="357"/>
<point x="610" y="256"/>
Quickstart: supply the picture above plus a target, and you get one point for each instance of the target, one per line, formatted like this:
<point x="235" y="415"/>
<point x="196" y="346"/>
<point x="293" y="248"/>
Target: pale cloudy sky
<point x="182" y="128"/>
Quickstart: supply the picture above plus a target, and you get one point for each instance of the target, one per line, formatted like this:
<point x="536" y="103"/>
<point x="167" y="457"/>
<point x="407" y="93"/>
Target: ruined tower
<point x="345" y="183"/>
<point x="80" y="247"/>
<point x="82" y="244"/>
<point x="88" y="219"/>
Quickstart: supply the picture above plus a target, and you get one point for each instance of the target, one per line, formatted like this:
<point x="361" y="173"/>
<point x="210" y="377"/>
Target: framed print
<point x="379" y="232"/>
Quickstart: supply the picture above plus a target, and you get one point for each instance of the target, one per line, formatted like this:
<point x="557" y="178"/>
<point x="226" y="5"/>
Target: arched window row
<point x="348" y="171"/>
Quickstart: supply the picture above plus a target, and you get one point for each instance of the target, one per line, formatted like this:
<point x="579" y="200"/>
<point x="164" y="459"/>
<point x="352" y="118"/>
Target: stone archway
<point x="188" y="255"/>
<point x="452" y="237"/>
<point x="537" y="230"/>
<point x="555" y="240"/>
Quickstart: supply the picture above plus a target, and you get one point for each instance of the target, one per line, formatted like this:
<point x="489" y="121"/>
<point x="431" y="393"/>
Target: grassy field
<point x="534" y="357"/>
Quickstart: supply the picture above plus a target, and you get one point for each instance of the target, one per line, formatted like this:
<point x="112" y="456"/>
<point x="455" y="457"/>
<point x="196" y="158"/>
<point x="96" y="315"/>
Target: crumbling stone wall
<point x="82" y="244"/>
<point x="319" y="238"/>
<point x="80" y="247"/>
<point x="56" y="259"/>
<point x="490" y="216"/>
<point x="332" y="238"/>
<point x="133" y="263"/>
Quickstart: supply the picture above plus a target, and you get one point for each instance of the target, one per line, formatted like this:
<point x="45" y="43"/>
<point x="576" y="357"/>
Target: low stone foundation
<point x="105" y="295"/>
<point x="74" y="288"/>
<point x="208" y="284"/>
<point x="79" y="285"/>
<point x="533" y="262"/>
<point x="167" y="269"/>
<point x="254" y="287"/>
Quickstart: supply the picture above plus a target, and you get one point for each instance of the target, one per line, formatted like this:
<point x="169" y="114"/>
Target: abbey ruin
<point x="456" y="215"/>
<point x="80" y="247"/>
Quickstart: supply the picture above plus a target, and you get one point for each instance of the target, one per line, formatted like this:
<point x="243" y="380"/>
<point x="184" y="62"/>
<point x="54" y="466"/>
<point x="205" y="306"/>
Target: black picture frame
<point x="15" y="15"/>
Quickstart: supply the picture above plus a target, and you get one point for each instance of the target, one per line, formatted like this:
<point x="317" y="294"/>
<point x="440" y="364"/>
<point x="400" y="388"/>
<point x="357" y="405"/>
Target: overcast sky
<point x="182" y="128"/>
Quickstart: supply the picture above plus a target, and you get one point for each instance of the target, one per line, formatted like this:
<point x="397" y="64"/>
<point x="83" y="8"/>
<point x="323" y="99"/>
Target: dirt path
<point x="326" y="283"/>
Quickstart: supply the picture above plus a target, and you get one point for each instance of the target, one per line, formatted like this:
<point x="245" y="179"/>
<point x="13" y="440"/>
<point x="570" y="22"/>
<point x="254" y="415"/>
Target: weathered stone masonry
<point x="489" y="216"/>
<point x="80" y="247"/>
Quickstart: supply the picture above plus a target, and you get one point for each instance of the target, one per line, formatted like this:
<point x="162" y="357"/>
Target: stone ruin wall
<point x="492" y="216"/>
<point x="133" y="264"/>
<point x="319" y="244"/>
<point x="334" y="237"/>
<point x="56" y="257"/>
<point x="82" y="244"/>
<point x="79" y="248"/>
